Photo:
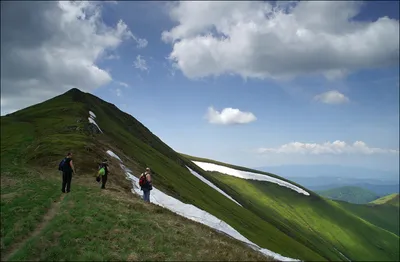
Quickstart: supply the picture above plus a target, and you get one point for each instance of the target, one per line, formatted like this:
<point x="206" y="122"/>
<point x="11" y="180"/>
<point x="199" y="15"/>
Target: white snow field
<point x="248" y="175"/>
<point x="210" y="184"/>
<point x="191" y="212"/>
<point x="91" y="119"/>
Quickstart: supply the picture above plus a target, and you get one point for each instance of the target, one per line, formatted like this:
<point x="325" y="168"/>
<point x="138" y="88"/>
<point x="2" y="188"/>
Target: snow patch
<point x="91" y="118"/>
<point x="211" y="184"/>
<point x="191" y="212"/>
<point x="248" y="175"/>
<point x="92" y="114"/>
<point x="111" y="153"/>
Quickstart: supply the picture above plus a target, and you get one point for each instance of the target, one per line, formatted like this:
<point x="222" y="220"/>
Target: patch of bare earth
<point x="7" y="181"/>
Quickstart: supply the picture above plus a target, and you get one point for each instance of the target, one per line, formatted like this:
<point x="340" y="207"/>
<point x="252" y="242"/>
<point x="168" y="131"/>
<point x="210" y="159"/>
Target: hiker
<point x="67" y="169"/>
<point x="103" y="174"/>
<point x="146" y="184"/>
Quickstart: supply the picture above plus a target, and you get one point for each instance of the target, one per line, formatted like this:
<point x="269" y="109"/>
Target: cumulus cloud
<point x="49" y="47"/>
<point x="332" y="97"/>
<point x="287" y="39"/>
<point x="229" y="116"/>
<point x="140" y="63"/>
<point x="337" y="147"/>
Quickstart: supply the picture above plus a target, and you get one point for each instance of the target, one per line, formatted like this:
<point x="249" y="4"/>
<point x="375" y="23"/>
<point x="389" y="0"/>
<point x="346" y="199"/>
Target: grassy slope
<point x="40" y="135"/>
<point x="390" y="200"/>
<point x="310" y="219"/>
<point x="351" y="194"/>
<point x="384" y="216"/>
<point x="91" y="224"/>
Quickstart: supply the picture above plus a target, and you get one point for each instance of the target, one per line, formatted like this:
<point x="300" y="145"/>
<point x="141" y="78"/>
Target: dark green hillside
<point x="351" y="194"/>
<point x="384" y="216"/>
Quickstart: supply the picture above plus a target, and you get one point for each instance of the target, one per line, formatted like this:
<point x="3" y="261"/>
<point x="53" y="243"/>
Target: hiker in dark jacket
<point x="147" y="185"/>
<point x="67" y="169"/>
<point x="104" y="177"/>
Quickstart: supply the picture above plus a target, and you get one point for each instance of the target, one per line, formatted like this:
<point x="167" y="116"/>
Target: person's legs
<point x="64" y="182"/>
<point x="146" y="195"/>
<point x="69" y="178"/>
<point x="103" y="181"/>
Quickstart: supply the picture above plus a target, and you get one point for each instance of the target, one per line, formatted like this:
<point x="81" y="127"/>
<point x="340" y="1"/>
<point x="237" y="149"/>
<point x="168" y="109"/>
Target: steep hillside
<point x="278" y="218"/>
<point x="351" y="194"/>
<point x="37" y="138"/>
<point x="311" y="220"/>
<point x="384" y="216"/>
<point x="390" y="200"/>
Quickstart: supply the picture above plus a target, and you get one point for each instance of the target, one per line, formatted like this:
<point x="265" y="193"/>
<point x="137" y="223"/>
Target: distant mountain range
<point x="325" y="177"/>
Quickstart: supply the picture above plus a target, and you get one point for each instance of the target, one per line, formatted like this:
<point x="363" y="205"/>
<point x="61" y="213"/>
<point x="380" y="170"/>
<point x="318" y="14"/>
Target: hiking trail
<point x="45" y="221"/>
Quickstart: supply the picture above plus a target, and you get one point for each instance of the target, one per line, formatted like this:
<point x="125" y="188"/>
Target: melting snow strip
<point x="91" y="120"/>
<point x="211" y="184"/>
<point x="111" y="153"/>
<point x="191" y="212"/>
<point x="248" y="175"/>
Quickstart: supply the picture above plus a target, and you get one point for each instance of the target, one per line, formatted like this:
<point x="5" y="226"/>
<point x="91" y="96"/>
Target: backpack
<point x="60" y="166"/>
<point x="142" y="180"/>
<point x="101" y="172"/>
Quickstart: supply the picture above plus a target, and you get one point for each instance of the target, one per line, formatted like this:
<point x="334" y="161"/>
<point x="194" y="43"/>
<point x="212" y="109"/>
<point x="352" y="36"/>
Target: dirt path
<point x="46" y="219"/>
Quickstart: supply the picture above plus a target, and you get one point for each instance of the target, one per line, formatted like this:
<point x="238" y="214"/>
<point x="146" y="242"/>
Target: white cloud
<point x="337" y="147"/>
<point x="123" y="84"/>
<point x="259" y="40"/>
<point x="118" y="92"/>
<point x="141" y="42"/>
<point x="140" y="63"/>
<point x="112" y="57"/>
<point x="229" y="116"/>
<point x="332" y="97"/>
<point x="50" y="47"/>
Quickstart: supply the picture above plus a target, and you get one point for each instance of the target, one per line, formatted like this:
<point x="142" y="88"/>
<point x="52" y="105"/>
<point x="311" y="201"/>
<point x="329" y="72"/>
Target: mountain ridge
<point x="38" y="136"/>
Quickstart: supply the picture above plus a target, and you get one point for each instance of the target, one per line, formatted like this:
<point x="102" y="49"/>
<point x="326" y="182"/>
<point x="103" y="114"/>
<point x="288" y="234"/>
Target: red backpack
<point x="142" y="180"/>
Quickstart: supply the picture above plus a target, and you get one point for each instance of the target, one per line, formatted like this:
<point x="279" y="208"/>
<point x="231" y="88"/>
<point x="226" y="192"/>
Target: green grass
<point x="392" y="199"/>
<point x="351" y="194"/>
<point x="314" y="221"/>
<point x="384" y="216"/>
<point x="24" y="201"/>
<point x="91" y="224"/>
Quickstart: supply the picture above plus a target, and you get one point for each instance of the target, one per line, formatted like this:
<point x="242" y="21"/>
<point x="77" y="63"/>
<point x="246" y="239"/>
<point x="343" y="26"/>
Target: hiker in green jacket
<point x="103" y="173"/>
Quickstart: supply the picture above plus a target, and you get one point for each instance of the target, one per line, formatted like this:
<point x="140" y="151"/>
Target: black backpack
<point x="61" y="165"/>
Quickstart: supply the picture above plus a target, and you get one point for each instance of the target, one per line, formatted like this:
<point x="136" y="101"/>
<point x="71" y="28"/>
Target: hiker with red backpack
<point x="145" y="184"/>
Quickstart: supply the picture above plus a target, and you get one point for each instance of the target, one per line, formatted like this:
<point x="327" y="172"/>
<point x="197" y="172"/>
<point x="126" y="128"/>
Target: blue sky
<point x="343" y="84"/>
